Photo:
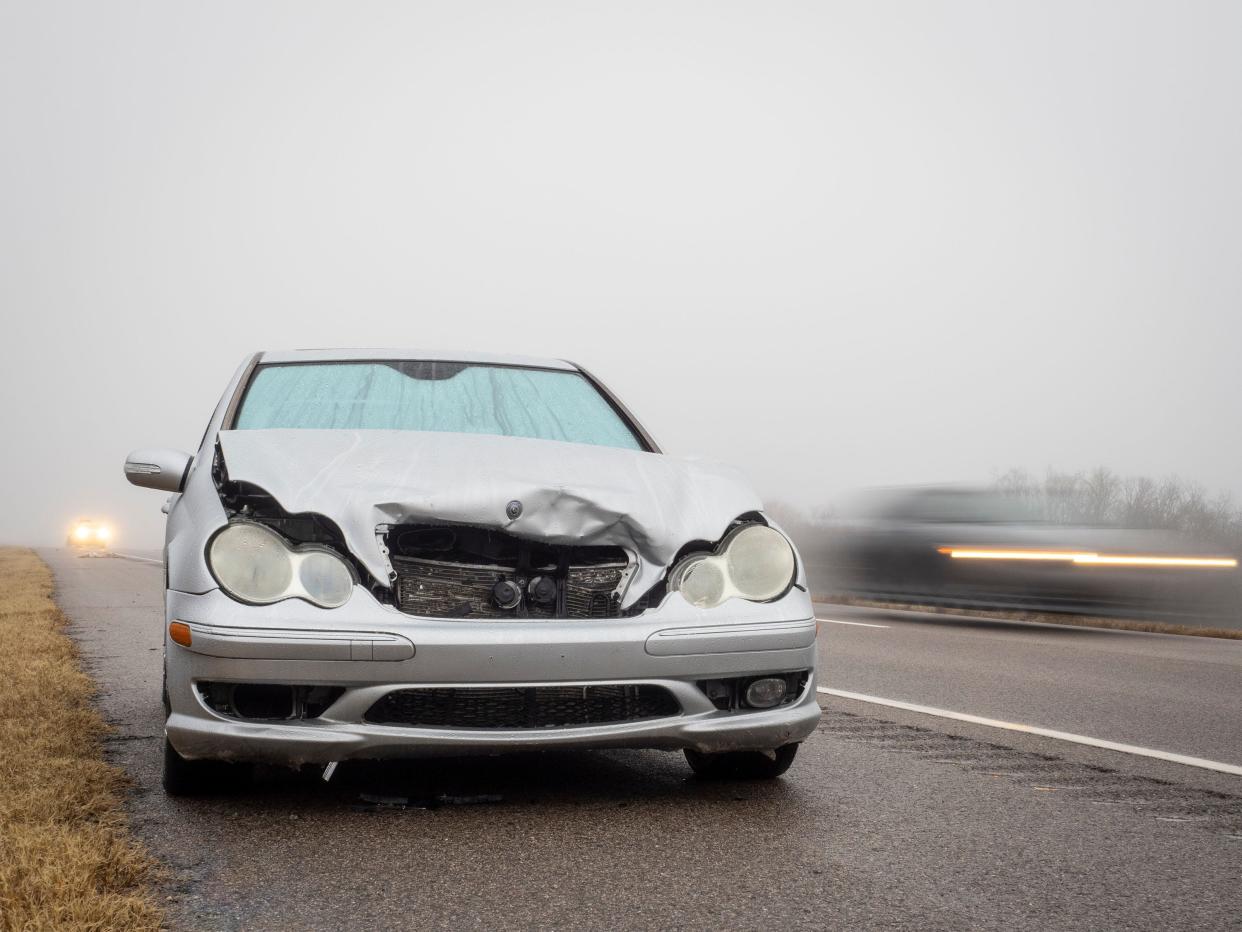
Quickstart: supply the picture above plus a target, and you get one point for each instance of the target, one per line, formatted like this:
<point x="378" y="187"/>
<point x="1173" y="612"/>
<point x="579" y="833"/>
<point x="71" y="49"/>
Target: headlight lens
<point x="254" y="564"/>
<point x="755" y="562"/>
<point x="251" y="563"/>
<point x="702" y="582"/>
<point x="325" y="577"/>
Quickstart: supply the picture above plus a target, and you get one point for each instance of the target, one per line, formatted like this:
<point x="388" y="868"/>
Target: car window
<point x="962" y="506"/>
<point x="507" y="401"/>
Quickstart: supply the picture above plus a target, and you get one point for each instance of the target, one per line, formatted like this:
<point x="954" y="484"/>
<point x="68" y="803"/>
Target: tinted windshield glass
<point x="436" y="396"/>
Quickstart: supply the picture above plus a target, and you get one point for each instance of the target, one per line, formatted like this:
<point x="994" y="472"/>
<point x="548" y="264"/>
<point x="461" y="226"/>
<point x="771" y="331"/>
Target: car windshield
<point x="508" y="401"/>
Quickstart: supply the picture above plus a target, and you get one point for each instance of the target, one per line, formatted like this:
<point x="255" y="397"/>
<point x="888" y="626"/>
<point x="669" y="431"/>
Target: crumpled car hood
<point x="648" y="503"/>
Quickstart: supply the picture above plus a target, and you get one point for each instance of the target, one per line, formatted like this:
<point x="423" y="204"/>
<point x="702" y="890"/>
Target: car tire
<point x="742" y="765"/>
<point x="200" y="777"/>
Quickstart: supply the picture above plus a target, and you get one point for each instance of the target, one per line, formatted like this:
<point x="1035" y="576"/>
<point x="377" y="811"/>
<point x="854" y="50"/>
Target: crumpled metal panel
<point x="648" y="503"/>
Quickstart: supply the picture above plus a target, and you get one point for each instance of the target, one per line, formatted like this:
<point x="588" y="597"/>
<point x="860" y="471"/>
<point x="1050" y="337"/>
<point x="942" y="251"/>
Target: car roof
<point x="359" y="355"/>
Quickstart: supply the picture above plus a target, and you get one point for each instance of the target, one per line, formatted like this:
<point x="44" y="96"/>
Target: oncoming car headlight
<point x="254" y="564"/>
<point x="754" y="562"/>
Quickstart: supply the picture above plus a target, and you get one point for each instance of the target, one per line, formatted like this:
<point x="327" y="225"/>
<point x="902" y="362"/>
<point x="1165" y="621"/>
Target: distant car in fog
<point x="89" y="535"/>
<point x="389" y="554"/>
<point x="981" y="548"/>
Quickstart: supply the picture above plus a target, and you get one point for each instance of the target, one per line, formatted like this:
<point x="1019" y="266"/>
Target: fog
<point x="834" y="244"/>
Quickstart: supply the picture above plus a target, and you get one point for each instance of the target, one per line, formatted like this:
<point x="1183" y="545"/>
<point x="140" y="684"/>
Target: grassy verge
<point x="66" y="859"/>
<point x="1048" y="618"/>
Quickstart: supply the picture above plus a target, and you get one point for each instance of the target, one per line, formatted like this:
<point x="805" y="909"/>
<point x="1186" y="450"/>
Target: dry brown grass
<point x="66" y="859"/>
<point x="1048" y="618"/>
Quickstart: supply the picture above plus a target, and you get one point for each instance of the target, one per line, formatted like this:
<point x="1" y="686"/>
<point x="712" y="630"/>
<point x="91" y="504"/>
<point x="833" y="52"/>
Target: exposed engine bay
<point x="468" y="572"/>
<point x="458" y="571"/>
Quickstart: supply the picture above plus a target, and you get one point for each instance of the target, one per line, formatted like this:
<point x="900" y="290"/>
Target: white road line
<point x="130" y="556"/>
<point x="1043" y="732"/>
<point x="859" y="624"/>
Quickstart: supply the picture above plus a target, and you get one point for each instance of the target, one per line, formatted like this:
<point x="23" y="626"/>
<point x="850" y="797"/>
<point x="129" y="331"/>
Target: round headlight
<point x="755" y="562"/>
<point x="761" y="562"/>
<point x="702" y="583"/>
<point x="326" y="578"/>
<point x="251" y="563"/>
<point x="255" y="564"/>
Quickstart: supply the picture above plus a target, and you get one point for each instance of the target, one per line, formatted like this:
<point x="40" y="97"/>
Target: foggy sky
<point x="834" y="244"/>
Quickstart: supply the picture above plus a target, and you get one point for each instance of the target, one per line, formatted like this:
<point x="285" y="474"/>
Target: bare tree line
<point x="1101" y="496"/>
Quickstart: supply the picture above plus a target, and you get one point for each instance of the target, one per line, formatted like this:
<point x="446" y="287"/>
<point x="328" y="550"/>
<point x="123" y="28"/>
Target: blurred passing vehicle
<point x="981" y="548"/>
<point x="89" y="536"/>
<point x="384" y="554"/>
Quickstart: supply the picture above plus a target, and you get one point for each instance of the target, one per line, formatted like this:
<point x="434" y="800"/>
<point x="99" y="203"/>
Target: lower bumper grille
<point x="522" y="706"/>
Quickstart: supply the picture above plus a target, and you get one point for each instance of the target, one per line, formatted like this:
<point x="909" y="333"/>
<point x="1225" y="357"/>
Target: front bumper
<point x="371" y="650"/>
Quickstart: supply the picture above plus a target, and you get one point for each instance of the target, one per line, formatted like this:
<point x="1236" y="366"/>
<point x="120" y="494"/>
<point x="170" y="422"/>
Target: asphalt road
<point x="1166" y="691"/>
<point x="888" y="819"/>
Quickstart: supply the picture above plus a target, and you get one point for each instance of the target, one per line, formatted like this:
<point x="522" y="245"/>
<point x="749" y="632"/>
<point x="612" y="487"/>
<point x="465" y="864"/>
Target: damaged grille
<point x="522" y="707"/>
<point x="450" y="572"/>
<point x="461" y="590"/>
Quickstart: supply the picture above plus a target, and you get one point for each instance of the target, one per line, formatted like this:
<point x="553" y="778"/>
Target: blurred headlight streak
<point x="1106" y="559"/>
<point x="964" y="554"/>
<point x="1088" y="559"/>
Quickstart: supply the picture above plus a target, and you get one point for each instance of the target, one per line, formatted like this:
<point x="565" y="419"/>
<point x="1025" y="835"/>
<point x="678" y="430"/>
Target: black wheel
<point x="200" y="777"/>
<point x="742" y="765"/>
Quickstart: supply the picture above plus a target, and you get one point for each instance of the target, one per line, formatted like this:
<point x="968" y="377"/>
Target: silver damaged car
<point x="382" y="553"/>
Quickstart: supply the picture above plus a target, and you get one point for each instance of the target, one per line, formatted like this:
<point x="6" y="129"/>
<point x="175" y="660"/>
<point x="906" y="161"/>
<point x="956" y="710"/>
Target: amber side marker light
<point x="1082" y="558"/>
<point x="179" y="631"/>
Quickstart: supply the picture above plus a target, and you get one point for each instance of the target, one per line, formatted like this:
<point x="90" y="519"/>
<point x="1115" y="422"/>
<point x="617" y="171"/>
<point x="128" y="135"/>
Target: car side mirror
<point x="158" y="469"/>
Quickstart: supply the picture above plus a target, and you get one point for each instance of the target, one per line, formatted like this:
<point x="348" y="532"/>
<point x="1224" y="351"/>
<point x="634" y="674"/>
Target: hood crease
<point x="649" y="504"/>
